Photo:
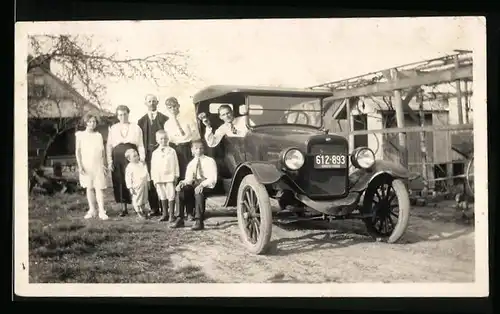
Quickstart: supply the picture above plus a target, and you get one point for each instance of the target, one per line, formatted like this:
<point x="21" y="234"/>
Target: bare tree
<point x="85" y="66"/>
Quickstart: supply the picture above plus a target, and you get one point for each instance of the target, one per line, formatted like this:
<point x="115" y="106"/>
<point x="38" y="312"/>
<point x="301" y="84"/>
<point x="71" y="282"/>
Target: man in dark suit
<point x="151" y="122"/>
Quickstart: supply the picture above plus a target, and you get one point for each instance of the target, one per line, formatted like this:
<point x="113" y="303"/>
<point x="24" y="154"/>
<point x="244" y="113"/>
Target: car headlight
<point x="293" y="159"/>
<point x="363" y="157"/>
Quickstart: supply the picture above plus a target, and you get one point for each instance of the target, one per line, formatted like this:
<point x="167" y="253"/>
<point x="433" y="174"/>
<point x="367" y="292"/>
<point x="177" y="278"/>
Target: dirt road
<point x="437" y="247"/>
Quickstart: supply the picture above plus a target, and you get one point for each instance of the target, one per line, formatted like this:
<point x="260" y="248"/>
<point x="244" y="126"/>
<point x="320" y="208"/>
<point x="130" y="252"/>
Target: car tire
<point x="386" y="214"/>
<point x="249" y="188"/>
<point x="469" y="177"/>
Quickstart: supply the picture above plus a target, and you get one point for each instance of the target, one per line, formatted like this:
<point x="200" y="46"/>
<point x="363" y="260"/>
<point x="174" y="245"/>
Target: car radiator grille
<point x="320" y="183"/>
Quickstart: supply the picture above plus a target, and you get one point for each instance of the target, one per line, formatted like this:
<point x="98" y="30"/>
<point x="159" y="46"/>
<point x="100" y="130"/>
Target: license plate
<point x="330" y="161"/>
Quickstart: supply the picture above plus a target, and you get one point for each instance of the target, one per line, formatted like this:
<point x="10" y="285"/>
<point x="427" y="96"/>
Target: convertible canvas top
<point x="215" y="91"/>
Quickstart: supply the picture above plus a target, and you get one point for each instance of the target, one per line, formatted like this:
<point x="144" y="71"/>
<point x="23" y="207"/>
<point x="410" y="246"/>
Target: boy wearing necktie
<point x="201" y="177"/>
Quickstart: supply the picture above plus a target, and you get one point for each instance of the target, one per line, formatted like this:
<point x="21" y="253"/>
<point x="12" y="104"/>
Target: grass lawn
<point x="65" y="248"/>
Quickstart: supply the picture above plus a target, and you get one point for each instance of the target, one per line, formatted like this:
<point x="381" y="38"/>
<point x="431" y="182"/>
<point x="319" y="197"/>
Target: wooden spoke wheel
<point x="469" y="177"/>
<point x="254" y="215"/>
<point x="388" y="200"/>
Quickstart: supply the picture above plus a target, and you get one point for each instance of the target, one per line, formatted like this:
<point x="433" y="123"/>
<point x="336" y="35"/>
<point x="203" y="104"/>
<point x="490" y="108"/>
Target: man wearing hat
<point x="180" y="132"/>
<point x="150" y="123"/>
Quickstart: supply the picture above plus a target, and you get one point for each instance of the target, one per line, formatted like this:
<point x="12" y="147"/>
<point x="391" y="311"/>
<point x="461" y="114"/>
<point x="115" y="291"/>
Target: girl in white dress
<point x="91" y="157"/>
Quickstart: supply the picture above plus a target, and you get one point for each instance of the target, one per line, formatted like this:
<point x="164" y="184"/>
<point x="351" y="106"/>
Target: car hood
<point x="269" y="141"/>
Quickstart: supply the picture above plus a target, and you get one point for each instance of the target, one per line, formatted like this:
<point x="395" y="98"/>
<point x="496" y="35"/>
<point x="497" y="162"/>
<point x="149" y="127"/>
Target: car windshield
<point x="265" y="110"/>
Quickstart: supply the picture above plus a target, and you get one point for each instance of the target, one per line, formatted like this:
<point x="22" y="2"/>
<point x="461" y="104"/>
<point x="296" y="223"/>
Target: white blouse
<point x="125" y="133"/>
<point x="136" y="175"/>
<point x="208" y="167"/>
<point x="213" y="139"/>
<point x="189" y="130"/>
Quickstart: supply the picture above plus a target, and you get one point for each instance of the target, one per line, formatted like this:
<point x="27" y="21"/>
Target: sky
<point x="284" y="52"/>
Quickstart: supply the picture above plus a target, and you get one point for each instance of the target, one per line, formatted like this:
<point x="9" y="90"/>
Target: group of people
<point x="158" y="165"/>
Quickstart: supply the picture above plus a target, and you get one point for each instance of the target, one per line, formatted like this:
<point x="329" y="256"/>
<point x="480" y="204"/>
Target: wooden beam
<point x="350" y="124"/>
<point x="406" y="103"/>
<point x="429" y="128"/>
<point x="400" y="119"/>
<point x="459" y="95"/>
<point x="436" y="77"/>
<point x="340" y="112"/>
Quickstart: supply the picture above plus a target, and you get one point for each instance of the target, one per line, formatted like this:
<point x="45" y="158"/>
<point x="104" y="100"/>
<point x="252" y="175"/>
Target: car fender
<point x="361" y="178"/>
<point x="265" y="173"/>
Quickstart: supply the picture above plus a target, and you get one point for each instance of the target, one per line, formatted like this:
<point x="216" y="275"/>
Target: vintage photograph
<point x="299" y="152"/>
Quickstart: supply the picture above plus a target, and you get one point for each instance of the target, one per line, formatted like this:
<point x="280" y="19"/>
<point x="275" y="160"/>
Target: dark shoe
<point x="123" y="213"/>
<point x="155" y="212"/>
<point x="164" y="213"/>
<point x="198" y="225"/>
<point x="177" y="223"/>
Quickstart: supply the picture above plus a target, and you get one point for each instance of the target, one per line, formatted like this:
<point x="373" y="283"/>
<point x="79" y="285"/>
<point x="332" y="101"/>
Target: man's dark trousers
<point x="154" y="202"/>
<point x="192" y="202"/>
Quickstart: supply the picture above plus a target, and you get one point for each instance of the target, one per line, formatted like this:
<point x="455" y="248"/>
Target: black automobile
<point x="287" y="155"/>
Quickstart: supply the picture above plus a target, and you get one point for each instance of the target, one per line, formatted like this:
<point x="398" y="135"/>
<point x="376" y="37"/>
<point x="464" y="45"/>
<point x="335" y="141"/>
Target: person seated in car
<point x="232" y="127"/>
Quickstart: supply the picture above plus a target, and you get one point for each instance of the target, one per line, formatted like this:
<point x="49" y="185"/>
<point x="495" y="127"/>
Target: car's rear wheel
<point x="469" y="177"/>
<point x="254" y="215"/>
<point x="388" y="201"/>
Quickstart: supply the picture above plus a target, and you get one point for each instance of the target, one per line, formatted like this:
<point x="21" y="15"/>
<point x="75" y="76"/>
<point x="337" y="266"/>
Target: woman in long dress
<point x="90" y="157"/>
<point x="121" y="137"/>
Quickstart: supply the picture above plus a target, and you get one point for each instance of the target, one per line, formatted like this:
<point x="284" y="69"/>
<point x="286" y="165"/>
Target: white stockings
<point x="93" y="198"/>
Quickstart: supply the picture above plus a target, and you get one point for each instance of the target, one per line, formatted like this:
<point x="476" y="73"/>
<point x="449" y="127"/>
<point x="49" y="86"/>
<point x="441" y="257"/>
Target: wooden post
<point x="423" y="146"/>
<point x="459" y="95"/>
<point x="350" y="124"/>
<point x="400" y="120"/>
<point x="449" y="174"/>
<point x="466" y="101"/>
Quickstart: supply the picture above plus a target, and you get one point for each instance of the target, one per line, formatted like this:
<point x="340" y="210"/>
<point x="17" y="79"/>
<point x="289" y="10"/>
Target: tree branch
<point x="85" y="66"/>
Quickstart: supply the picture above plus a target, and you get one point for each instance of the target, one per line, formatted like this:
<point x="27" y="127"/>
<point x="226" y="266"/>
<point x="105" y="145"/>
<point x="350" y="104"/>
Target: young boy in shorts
<point x="164" y="174"/>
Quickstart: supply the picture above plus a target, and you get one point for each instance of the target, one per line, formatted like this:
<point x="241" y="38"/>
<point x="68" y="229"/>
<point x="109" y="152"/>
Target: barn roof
<point x="64" y="91"/>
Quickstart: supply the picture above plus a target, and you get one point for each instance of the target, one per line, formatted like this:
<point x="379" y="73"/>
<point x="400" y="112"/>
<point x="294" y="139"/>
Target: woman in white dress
<point x="121" y="137"/>
<point x="91" y="158"/>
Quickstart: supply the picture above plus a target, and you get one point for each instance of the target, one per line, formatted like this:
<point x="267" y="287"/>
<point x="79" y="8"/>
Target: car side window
<point x="214" y="107"/>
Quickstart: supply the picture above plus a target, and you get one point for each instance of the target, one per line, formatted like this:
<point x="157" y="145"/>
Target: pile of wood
<point x="41" y="183"/>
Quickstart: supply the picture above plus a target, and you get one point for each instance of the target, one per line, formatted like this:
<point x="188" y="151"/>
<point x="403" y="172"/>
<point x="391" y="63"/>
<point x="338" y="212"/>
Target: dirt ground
<point x="438" y="247"/>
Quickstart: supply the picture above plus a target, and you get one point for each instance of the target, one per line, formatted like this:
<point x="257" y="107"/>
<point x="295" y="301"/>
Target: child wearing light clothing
<point x="137" y="180"/>
<point x="164" y="174"/>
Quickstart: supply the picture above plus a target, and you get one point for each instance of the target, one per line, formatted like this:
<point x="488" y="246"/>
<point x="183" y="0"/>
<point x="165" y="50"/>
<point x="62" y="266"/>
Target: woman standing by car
<point x="121" y="137"/>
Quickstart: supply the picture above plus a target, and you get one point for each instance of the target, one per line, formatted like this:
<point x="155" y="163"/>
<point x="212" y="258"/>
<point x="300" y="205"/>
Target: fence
<point x="438" y="156"/>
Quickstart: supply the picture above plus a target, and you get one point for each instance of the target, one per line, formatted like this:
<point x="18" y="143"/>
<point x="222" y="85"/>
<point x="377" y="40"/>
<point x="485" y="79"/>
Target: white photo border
<point x="22" y="287"/>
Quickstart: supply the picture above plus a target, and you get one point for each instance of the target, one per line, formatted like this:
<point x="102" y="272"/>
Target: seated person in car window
<point x="232" y="127"/>
<point x="244" y="113"/>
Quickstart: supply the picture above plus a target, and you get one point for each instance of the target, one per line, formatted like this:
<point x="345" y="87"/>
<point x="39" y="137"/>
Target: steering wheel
<point x="284" y="118"/>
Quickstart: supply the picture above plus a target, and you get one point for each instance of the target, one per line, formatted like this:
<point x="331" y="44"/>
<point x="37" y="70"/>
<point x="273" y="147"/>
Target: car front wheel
<point x="254" y="215"/>
<point x="388" y="201"/>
